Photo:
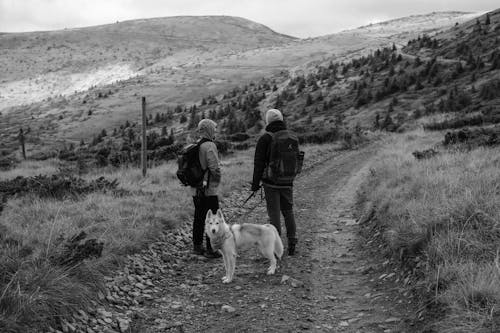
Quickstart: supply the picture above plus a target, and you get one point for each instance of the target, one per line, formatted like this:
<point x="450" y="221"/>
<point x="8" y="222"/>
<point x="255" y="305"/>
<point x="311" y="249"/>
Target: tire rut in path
<point x="350" y="289"/>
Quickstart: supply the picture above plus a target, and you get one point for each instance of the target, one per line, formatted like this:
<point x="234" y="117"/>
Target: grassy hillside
<point x="93" y="78"/>
<point x="432" y="196"/>
<point x="388" y="89"/>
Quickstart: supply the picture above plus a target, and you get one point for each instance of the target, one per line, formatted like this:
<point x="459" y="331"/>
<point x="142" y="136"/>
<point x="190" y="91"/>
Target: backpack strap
<point x="269" y="146"/>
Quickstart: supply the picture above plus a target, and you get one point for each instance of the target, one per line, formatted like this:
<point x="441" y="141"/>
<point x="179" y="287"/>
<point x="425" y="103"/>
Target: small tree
<point x="376" y="124"/>
<point x="387" y="123"/>
<point x="172" y="135"/>
<point x="309" y="100"/>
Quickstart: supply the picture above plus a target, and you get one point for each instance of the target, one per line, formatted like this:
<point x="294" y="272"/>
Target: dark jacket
<point x="261" y="158"/>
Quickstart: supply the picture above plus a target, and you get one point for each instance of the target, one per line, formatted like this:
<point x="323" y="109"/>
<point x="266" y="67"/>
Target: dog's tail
<point x="278" y="244"/>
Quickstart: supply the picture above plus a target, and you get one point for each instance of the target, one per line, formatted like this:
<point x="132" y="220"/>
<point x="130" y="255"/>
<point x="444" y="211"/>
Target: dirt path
<point x="332" y="285"/>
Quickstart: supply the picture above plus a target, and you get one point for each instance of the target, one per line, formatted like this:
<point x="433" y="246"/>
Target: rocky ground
<point x="338" y="281"/>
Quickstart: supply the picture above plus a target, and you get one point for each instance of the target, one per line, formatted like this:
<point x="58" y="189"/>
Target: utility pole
<point x="21" y="141"/>
<point x="144" y="142"/>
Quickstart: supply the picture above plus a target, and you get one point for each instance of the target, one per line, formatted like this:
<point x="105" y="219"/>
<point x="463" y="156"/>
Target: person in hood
<point x="279" y="198"/>
<point x="206" y="197"/>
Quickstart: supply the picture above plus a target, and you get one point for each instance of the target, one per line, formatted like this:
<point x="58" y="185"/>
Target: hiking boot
<point x="213" y="254"/>
<point x="198" y="249"/>
<point x="291" y="249"/>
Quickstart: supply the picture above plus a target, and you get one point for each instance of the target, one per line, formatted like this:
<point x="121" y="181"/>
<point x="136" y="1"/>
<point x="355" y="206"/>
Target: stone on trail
<point x="296" y="283"/>
<point x="227" y="308"/>
<point x="392" y="320"/>
<point x="344" y="324"/>
<point x="349" y="222"/>
<point x="284" y="278"/>
<point x="123" y="325"/>
<point x="104" y="313"/>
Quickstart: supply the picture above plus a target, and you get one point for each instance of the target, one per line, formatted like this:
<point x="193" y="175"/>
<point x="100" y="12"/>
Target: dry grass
<point x="36" y="293"/>
<point x="450" y="204"/>
<point x="31" y="168"/>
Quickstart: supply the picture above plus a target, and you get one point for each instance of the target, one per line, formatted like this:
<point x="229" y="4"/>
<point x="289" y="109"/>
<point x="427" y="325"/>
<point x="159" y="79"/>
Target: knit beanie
<point x="273" y="115"/>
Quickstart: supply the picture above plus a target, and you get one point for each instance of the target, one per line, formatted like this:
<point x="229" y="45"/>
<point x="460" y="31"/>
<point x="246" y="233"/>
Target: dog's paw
<point x="225" y="279"/>
<point x="271" y="271"/>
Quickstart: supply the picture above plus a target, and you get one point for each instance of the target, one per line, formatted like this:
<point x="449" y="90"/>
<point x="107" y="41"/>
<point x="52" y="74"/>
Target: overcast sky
<point x="301" y="18"/>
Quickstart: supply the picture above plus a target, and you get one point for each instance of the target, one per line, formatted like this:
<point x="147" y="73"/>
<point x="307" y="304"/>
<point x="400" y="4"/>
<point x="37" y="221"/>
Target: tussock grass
<point x="445" y="208"/>
<point x="36" y="292"/>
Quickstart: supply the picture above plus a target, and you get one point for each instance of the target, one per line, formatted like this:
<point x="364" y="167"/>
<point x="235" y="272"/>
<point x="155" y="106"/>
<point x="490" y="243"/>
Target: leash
<point x="249" y="210"/>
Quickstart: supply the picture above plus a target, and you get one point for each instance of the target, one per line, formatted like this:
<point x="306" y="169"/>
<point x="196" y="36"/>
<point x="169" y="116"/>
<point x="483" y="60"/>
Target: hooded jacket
<point x="209" y="157"/>
<point x="261" y="158"/>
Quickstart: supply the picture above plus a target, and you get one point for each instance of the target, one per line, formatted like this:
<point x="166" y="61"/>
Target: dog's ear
<point x="209" y="214"/>
<point x="219" y="214"/>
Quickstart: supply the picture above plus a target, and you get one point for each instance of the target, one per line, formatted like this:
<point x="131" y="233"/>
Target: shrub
<point x="477" y="120"/>
<point x="319" y="136"/>
<point x="55" y="186"/>
<point x="238" y="137"/>
<point x="490" y="90"/>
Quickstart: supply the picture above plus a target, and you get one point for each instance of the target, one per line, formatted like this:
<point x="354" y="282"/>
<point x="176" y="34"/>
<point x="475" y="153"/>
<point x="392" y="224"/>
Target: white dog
<point x="227" y="239"/>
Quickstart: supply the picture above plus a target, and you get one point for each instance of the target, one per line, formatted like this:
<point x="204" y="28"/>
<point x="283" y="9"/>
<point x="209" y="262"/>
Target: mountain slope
<point x="136" y="42"/>
<point x="87" y="89"/>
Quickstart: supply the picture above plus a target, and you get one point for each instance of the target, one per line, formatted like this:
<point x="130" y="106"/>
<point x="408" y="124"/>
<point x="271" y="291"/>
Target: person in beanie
<point x="279" y="198"/>
<point x="206" y="198"/>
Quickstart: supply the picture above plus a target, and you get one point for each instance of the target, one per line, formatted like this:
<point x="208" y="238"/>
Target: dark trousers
<point x="281" y="200"/>
<point x="201" y="206"/>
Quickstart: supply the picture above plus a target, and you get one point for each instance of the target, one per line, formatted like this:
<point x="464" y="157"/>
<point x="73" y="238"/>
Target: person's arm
<point x="213" y="163"/>
<point x="260" y="160"/>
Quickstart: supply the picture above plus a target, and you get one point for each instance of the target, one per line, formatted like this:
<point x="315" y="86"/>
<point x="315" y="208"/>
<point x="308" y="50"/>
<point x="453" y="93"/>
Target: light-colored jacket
<point x="209" y="158"/>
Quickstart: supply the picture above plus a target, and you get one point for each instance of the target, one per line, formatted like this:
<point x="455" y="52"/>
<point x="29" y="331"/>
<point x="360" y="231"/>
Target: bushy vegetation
<point x="473" y="138"/>
<point x="55" y="186"/>
<point x="475" y="120"/>
<point x="440" y="216"/>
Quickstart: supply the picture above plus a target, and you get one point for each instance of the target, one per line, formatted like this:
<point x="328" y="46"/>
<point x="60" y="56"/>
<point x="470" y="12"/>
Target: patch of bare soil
<point x="335" y="283"/>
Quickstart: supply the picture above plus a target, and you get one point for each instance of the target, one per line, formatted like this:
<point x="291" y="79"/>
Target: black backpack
<point x="285" y="158"/>
<point x="189" y="171"/>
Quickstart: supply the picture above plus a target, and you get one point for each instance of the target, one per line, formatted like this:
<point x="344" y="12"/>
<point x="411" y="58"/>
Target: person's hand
<point x="255" y="187"/>
<point x="204" y="186"/>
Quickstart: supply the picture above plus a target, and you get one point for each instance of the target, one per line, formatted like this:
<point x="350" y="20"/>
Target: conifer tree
<point x="309" y="100"/>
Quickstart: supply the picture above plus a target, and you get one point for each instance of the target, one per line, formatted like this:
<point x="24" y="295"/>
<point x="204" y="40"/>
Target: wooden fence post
<point x="21" y="141"/>
<point x="144" y="142"/>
